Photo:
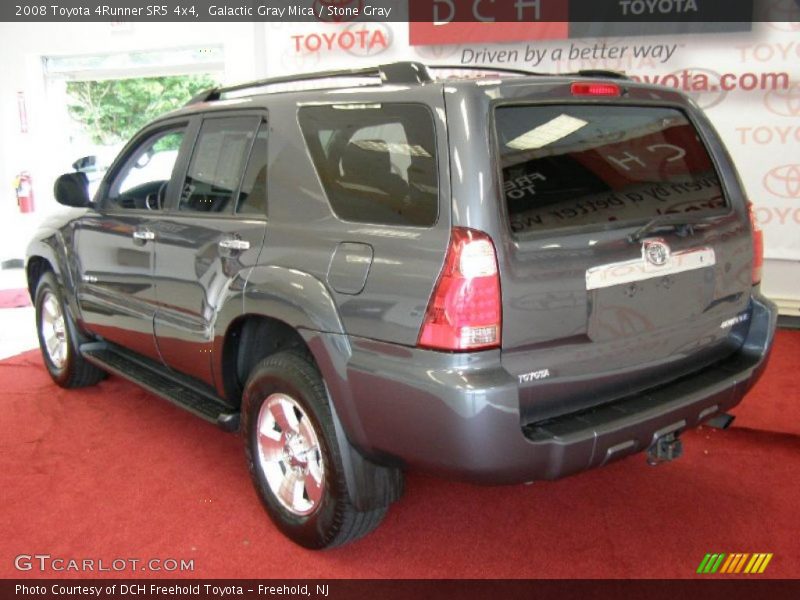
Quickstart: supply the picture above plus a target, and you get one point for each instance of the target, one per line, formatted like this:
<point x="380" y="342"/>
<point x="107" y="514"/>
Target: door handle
<point x="234" y="244"/>
<point x="144" y="235"/>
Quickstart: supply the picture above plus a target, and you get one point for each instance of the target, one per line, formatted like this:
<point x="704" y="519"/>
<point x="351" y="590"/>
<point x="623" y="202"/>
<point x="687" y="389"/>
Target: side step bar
<point x="161" y="382"/>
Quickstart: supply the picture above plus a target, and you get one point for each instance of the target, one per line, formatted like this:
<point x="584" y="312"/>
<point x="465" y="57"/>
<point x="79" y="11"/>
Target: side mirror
<point x="87" y="163"/>
<point x="72" y="189"/>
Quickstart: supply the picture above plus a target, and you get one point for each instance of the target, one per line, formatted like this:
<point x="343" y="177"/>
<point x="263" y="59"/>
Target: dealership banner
<point x="453" y="21"/>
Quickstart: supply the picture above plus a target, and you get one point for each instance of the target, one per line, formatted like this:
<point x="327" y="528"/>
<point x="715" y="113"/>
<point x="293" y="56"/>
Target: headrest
<point x="366" y="159"/>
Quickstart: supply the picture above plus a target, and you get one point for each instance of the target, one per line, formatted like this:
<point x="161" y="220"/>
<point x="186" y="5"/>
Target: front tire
<point x="293" y="456"/>
<point x="58" y="338"/>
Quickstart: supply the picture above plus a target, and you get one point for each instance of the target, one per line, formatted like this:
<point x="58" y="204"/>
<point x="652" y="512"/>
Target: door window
<point x="142" y="181"/>
<point x="218" y="161"/>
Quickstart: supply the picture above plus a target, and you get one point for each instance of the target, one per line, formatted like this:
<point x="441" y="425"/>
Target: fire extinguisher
<point x="24" y="189"/>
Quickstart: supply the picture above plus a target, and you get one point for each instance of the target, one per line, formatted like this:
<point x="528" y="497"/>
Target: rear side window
<point x="584" y="165"/>
<point x="377" y="162"/>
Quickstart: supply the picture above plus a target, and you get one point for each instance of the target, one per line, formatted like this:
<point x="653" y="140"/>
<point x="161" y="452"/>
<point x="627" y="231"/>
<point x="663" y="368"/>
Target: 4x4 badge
<point x="656" y="252"/>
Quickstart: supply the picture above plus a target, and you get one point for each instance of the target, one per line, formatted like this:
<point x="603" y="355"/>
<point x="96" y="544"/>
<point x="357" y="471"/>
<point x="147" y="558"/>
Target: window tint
<point x="142" y="181"/>
<point x="567" y="166"/>
<point x="217" y="164"/>
<point x="253" y="195"/>
<point x="377" y="163"/>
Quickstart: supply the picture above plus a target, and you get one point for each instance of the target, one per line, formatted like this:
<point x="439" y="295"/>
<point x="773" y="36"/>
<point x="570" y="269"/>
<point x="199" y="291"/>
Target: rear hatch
<point x="627" y="259"/>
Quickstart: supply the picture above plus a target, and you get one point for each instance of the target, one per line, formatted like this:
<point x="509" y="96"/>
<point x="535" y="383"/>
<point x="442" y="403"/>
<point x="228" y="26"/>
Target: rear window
<point x="377" y="162"/>
<point x="584" y="165"/>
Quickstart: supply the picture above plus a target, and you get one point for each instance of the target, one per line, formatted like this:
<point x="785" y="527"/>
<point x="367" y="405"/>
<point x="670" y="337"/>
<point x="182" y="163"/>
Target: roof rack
<point x="401" y="73"/>
<point x="392" y="73"/>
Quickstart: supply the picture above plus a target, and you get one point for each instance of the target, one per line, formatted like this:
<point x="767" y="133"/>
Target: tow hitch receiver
<point x="721" y="421"/>
<point x="665" y="449"/>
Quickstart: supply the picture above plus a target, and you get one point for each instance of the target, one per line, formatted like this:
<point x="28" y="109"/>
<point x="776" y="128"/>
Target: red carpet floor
<point x="113" y="472"/>
<point x="16" y="298"/>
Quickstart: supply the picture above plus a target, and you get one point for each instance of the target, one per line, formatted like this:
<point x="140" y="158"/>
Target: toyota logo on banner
<point x="785" y="103"/>
<point x="784" y="181"/>
<point x="379" y="35"/>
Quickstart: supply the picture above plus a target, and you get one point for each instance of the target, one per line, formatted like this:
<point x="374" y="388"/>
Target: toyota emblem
<point x="656" y="252"/>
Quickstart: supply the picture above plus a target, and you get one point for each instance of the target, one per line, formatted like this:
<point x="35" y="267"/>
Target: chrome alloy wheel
<point x="290" y="455"/>
<point x="53" y="329"/>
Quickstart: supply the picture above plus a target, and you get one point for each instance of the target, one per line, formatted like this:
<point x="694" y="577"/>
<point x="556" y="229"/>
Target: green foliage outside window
<point x="112" y="111"/>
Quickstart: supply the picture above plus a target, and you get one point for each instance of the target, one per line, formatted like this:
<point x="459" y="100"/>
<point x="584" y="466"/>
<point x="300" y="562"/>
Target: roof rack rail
<point x="608" y="74"/>
<point x="392" y="73"/>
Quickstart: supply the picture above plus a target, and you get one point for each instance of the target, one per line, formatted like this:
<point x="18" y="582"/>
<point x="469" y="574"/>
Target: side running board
<point x="178" y="389"/>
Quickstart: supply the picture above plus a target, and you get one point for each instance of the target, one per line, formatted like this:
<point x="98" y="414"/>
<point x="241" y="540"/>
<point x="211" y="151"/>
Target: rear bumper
<point x="459" y="414"/>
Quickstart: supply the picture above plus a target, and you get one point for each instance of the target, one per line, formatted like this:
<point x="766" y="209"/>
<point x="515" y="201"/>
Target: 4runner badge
<point x="656" y="252"/>
<point x="734" y="321"/>
<point x="534" y="376"/>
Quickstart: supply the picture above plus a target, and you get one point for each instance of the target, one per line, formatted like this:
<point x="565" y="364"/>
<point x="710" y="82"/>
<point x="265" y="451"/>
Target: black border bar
<point x="732" y="588"/>
<point x="465" y="11"/>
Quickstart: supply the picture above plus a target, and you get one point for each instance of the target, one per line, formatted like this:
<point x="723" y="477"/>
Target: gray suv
<point x="501" y="279"/>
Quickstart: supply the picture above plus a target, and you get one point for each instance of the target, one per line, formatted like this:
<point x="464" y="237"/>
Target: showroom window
<point x="218" y="161"/>
<point x="377" y="162"/>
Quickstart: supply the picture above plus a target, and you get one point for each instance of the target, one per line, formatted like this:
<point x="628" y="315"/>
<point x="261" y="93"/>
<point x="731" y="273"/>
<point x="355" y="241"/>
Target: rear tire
<point x="293" y="456"/>
<point x="58" y="338"/>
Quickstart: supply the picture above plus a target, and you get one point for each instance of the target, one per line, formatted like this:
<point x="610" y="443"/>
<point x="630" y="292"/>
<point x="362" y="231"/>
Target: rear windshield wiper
<point x="676" y="220"/>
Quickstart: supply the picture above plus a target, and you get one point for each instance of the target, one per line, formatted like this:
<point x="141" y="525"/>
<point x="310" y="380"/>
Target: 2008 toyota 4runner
<point x="501" y="279"/>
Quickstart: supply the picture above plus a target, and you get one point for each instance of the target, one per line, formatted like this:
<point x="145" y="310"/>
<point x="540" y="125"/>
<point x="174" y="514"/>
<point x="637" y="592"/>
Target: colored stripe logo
<point x="735" y="563"/>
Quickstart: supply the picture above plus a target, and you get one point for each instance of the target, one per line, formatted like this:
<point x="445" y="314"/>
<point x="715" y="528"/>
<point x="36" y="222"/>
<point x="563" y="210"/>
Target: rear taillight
<point x="595" y="89"/>
<point x="758" y="246"/>
<point x="464" y="312"/>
